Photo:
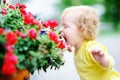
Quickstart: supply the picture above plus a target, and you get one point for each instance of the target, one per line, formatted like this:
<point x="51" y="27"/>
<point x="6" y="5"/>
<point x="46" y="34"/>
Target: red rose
<point x="32" y="34"/>
<point x="11" y="38"/>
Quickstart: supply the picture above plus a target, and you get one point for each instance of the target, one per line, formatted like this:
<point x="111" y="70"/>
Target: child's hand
<point x="100" y="56"/>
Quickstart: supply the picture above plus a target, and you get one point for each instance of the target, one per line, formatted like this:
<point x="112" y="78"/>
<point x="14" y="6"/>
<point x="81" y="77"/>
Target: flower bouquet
<point x="27" y="42"/>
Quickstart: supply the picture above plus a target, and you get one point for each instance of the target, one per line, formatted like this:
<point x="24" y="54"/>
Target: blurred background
<point x="109" y="13"/>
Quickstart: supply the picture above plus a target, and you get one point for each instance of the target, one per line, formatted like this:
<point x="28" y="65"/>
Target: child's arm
<point x="100" y="56"/>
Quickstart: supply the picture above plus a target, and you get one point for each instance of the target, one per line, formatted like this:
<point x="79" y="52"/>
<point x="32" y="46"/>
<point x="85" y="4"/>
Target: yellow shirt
<point x="88" y="68"/>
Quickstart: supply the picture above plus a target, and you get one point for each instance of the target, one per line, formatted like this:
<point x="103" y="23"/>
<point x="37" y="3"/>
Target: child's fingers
<point x="69" y="49"/>
<point x="101" y="53"/>
<point x="94" y="52"/>
<point x="97" y="52"/>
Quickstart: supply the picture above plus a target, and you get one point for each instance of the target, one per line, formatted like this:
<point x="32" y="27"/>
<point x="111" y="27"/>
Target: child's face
<point x="70" y="30"/>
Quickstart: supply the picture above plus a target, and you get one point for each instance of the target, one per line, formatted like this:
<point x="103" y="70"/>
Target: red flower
<point x="11" y="38"/>
<point x="53" y="36"/>
<point x="32" y="34"/>
<point x="20" y="34"/>
<point x="51" y="23"/>
<point x="46" y="24"/>
<point x="23" y="6"/>
<point x="28" y="19"/>
<point x="61" y="44"/>
<point x="4" y="11"/>
<point x="12" y="7"/>
<point x="23" y="35"/>
<point x="20" y="5"/>
<point x="10" y="58"/>
<point x="22" y="11"/>
<point x="1" y="30"/>
<point x="8" y="69"/>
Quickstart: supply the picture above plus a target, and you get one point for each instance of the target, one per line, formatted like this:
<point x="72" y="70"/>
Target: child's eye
<point x="66" y="26"/>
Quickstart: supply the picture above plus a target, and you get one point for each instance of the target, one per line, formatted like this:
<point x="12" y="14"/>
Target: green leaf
<point x="21" y="66"/>
<point x="21" y="58"/>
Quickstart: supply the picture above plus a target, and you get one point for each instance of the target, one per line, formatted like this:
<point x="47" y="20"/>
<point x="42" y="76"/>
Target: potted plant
<point x="26" y="42"/>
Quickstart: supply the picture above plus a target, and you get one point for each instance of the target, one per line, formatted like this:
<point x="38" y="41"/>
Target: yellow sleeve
<point x="91" y="46"/>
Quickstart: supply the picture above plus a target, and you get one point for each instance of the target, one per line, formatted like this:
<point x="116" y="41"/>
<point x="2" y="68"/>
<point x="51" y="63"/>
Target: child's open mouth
<point x="64" y="38"/>
<point x="66" y="41"/>
<point x="68" y="46"/>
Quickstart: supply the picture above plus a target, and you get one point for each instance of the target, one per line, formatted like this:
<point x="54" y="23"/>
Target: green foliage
<point x="112" y="13"/>
<point x="68" y="3"/>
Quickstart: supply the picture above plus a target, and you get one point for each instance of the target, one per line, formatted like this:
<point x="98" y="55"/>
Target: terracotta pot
<point x="20" y="75"/>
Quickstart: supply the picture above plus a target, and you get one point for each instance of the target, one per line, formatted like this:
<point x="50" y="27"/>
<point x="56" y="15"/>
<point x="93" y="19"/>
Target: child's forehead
<point x="70" y="16"/>
<point x="69" y="19"/>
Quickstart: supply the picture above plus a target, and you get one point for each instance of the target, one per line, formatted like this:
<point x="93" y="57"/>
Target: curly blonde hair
<point x="86" y="20"/>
